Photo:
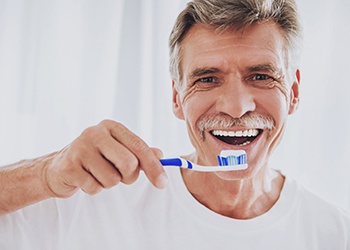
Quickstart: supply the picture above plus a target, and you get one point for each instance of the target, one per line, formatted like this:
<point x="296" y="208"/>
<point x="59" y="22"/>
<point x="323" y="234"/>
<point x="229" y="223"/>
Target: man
<point x="235" y="81"/>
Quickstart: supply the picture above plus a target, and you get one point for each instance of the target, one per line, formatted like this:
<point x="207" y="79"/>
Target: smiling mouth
<point x="237" y="138"/>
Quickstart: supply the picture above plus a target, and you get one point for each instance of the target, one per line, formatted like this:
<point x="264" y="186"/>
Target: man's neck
<point x="238" y="199"/>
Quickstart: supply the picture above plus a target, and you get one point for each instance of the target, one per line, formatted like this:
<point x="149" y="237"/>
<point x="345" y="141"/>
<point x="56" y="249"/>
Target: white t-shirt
<point x="140" y="216"/>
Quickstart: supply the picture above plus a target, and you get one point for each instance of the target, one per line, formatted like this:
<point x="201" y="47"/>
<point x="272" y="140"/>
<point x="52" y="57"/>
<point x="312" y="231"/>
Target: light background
<point x="68" y="64"/>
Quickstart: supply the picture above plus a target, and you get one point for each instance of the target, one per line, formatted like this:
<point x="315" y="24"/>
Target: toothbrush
<point x="228" y="160"/>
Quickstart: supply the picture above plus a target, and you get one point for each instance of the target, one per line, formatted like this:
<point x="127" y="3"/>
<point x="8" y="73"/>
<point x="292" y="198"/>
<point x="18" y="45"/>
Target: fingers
<point x="121" y="159"/>
<point x="84" y="180"/>
<point x="157" y="152"/>
<point x="102" y="157"/>
<point x="102" y="171"/>
<point x="147" y="158"/>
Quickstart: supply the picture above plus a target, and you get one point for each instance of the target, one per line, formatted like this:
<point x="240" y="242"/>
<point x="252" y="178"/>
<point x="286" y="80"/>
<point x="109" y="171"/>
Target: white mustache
<point x="250" y="120"/>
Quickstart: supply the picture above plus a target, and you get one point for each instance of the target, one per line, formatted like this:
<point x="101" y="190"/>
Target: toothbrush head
<point x="232" y="157"/>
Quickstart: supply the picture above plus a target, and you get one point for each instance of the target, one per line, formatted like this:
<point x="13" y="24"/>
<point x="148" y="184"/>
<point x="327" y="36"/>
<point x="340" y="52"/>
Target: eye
<point x="261" y="81"/>
<point x="209" y="79"/>
<point x="261" y="77"/>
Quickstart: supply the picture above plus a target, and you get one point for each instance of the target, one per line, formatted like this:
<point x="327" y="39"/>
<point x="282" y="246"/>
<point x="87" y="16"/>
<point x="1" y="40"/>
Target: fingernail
<point x="162" y="181"/>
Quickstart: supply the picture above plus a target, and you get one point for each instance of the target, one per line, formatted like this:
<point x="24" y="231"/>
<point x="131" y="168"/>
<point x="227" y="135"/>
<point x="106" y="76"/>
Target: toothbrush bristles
<point x="232" y="160"/>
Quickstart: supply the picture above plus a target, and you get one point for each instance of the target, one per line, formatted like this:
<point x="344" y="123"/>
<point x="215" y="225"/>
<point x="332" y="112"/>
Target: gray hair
<point x="237" y="14"/>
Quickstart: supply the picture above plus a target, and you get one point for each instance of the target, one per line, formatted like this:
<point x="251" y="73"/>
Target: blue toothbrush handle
<point x="171" y="162"/>
<point x="177" y="162"/>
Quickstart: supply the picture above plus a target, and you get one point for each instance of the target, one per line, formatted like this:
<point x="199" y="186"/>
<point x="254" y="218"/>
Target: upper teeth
<point x="240" y="133"/>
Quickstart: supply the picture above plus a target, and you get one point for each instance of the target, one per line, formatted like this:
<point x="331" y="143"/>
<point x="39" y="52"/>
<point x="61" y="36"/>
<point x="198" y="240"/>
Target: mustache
<point x="250" y="120"/>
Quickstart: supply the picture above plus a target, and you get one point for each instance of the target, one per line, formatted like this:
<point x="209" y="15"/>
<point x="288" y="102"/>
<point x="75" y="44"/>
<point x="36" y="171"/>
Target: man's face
<point x="235" y="92"/>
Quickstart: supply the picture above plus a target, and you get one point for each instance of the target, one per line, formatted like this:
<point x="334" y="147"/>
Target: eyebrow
<point x="263" y="67"/>
<point x="201" y="72"/>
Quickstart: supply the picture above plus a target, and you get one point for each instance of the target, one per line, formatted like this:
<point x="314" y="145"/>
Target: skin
<point x="234" y="73"/>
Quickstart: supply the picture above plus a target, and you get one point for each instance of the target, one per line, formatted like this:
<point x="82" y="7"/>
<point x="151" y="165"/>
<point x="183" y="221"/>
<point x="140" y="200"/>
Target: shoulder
<point x="318" y="209"/>
<point x="311" y="198"/>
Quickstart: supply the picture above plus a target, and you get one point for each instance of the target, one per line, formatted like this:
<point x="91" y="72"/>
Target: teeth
<point x="240" y="133"/>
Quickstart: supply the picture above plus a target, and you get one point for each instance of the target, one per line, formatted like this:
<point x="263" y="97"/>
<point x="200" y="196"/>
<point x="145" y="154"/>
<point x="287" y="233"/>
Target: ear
<point x="177" y="105"/>
<point x="294" y="93"/>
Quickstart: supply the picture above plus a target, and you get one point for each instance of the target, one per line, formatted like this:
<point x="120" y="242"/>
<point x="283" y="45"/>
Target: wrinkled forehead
<point x="204" y="46"/>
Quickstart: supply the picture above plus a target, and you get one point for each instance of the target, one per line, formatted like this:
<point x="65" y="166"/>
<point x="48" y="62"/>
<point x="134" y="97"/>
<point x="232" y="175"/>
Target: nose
<point x="235" y="99"/>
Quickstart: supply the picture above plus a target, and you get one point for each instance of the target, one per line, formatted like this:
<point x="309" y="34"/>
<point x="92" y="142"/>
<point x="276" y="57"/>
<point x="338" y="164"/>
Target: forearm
<point x="23" y="183"/>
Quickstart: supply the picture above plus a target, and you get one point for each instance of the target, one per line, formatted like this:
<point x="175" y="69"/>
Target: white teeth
<point x="231" y="133"/>
<point x="240" y="133"/>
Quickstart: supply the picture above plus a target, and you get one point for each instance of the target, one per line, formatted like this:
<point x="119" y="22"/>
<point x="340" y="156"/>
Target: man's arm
<point x="22" y="184"/>
<point x="101" y="157"/>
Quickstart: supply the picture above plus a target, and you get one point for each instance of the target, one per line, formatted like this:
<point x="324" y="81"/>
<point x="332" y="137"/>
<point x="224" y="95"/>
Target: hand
<point x="101" y="157"/>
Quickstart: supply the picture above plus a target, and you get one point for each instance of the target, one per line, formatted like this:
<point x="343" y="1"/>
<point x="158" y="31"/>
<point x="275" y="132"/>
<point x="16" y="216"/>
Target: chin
<point x="235" y="175"/>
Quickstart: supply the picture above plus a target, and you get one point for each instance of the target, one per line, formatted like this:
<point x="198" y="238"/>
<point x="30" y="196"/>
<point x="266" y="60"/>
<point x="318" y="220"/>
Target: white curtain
<point x="67" y="64"/>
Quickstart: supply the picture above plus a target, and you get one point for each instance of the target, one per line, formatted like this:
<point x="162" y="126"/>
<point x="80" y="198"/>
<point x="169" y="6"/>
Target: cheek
<point x="274" y="103"/>
<point x="284" y="91"/>
<point x="194" y="107"/>
<point x="196" y="103"/>
<point x="276" y="99"/>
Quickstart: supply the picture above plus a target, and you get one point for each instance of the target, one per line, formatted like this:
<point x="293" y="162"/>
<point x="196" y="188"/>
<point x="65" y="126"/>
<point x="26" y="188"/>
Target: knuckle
<point x="91" y="187"/>
<point x="106" y="122"/>
<point x="92" y="190"/>
<point x="111" y="125"/>
<point x="130" y="179"/>
<point x="91" y="133"/>
<point x="119" y="130"/>
<point x="138" y="145"/>
<point x="75" y="152"/>
<point x="128" y="166"/>
<point x="131" y="163"/>
<point x="130" y="140"/>
<point x="88" y="131"/>
<point x="112" y="181"/>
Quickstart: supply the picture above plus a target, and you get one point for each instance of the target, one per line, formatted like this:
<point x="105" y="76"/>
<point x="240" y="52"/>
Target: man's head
<point x="240" y="15"/>
<point x="235" y="78"/>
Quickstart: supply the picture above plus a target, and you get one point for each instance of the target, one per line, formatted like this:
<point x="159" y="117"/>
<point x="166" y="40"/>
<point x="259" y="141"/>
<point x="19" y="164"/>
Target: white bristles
<point x="232" y="157"/>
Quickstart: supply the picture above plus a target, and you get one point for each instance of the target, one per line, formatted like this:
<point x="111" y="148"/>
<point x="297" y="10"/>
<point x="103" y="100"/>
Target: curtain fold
<point x="58" y="71"/>
<point x="66" y="65"/>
